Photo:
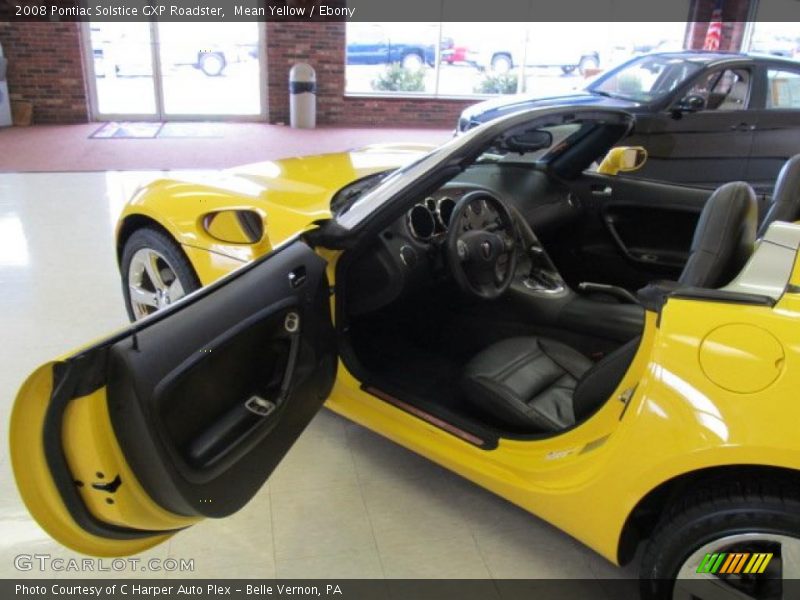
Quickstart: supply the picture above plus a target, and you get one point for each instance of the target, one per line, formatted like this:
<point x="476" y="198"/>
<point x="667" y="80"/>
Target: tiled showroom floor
<point x="344" y="503"/>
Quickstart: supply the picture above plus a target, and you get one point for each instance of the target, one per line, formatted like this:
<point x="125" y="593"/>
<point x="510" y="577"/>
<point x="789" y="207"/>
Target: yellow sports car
<point x="477" y="304"/>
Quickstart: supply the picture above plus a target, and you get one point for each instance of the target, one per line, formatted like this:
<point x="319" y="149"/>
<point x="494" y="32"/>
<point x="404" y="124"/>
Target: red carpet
<point x="68" y="147"/>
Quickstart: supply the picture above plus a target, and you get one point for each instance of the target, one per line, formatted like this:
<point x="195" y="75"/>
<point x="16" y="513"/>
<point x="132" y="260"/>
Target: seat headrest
<point x="785" y="204"/>
<point x="736" y="97"/>
<point x="724" y="238"/>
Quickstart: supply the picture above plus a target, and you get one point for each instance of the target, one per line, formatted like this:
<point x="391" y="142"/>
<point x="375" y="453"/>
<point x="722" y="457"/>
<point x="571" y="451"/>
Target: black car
<point x="705" y="118"/>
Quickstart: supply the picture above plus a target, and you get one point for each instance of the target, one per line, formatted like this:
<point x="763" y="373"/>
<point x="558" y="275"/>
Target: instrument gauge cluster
<point x="430" y="218"/>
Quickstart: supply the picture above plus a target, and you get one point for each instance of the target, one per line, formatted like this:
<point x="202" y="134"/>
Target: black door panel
<point x="651" y="236"/>
<point x="632" y="231"/>
<point x="206" y="402"/>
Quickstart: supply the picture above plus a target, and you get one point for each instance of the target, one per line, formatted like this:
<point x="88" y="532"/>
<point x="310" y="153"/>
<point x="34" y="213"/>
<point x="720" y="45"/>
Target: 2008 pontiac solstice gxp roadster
<point x="477" y="306"/>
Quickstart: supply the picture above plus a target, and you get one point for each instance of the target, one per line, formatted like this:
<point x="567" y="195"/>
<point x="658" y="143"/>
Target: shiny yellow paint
<point x="290" y="194"/>
<point x="741" y="357"/>
<point x="90" y="448"/>
<point x="211" y="266"/>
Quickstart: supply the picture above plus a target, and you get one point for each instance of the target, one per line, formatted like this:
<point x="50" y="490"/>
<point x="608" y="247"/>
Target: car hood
<point x="301" y="188"/>
<point x="498" y="107"/>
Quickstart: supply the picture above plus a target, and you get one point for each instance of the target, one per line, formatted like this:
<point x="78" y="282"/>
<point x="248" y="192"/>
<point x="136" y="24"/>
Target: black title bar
<point x="371" y="10"/>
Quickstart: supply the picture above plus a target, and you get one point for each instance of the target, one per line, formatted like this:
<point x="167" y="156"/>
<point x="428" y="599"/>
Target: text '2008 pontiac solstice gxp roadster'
<point x="476" y="305"/>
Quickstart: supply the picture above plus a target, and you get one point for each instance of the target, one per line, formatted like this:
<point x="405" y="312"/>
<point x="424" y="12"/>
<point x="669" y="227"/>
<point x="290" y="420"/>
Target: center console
<point x="546" y="298"/>
<point x="542" y="276"/>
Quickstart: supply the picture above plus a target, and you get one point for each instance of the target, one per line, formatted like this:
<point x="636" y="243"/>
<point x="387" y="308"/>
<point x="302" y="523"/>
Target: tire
<point x="212" y="63"/>
<point x="568" y="69"/>
<point x="587" y="62"/>
<point x="755" y="514"/>
<point x="501" y="63"/>
<point x="171" y="265"/>
<point x="412" y="61"/>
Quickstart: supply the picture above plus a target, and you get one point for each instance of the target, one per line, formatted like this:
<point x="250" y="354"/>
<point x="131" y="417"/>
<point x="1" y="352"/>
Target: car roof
<point x="714" y="58"/>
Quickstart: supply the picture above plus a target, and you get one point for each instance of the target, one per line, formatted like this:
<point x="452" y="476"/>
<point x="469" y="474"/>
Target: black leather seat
<point x="724" y="238"/>
<point x="785" y="204"/>
<point x="541" y="385"/>
<point x="538" y="384"/>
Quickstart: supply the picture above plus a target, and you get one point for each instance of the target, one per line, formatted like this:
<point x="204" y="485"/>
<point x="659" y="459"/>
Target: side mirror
<point x="529" y="141"/>
<point x="623" y="158"/>
<point x="691" y="103"/>
<point x="633" y="158"/>
<point x="235" y="226"/>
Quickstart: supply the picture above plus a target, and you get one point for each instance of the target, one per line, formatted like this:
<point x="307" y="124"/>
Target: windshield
<point x="645" y="79"/>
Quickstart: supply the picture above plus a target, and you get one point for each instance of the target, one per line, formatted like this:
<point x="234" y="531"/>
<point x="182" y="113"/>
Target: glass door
<point x="121" y="60"/>
<point x="160" y="71"/>
<point x="210" y="69"/>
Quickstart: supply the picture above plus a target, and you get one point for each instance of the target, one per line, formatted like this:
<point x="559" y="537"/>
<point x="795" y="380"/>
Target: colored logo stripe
<point x="724" y="563"/>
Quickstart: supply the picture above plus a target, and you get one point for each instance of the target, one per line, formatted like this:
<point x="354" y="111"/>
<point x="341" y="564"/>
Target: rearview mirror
<point x="235" y="226"/>
<point x="623" y="158"/>
<point x="529" y="141"/>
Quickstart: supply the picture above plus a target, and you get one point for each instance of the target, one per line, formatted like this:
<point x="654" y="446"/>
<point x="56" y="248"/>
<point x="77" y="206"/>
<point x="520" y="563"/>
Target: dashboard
<point x="408" y="255"/>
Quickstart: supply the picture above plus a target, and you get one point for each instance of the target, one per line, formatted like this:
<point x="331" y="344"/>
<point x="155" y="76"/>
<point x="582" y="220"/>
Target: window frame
<point x="753" y="96"/>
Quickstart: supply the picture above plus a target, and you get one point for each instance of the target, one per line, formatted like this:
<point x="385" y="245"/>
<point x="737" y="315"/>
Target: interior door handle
<point x="743" y="127"/>
<point x="601" y="190"/>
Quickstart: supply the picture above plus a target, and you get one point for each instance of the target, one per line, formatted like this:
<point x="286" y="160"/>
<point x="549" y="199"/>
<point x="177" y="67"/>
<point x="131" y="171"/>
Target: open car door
<point x="181" y="417"/>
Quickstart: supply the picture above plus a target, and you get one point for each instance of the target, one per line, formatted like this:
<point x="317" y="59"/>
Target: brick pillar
<point x="45" y="67"/>
<point x="322" y="45"/>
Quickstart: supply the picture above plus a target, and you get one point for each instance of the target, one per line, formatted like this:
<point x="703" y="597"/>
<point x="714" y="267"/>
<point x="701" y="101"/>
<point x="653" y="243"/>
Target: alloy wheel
<point x="767" y="579"/>
<point x="412" y="62"/>
<point x="501" y="64"/>
<point x="152" y="282"/>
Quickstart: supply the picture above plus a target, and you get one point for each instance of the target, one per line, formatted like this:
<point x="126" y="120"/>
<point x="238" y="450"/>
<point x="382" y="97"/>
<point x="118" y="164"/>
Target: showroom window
<point x="452" y="59"/>
<point x="772" y="36"/>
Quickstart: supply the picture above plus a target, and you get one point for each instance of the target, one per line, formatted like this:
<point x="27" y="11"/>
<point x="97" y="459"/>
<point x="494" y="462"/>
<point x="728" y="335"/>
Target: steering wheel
<point x="481" y="245"/>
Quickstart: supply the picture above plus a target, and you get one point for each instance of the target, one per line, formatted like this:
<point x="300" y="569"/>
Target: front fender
<point x="180" y="207"/>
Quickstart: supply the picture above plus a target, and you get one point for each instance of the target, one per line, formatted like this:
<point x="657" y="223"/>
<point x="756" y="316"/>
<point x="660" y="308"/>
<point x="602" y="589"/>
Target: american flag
<point x="714" y="31"/>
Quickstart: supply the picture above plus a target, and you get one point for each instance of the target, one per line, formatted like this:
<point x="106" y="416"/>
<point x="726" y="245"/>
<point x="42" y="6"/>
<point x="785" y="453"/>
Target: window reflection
<point x="13" y="243"/>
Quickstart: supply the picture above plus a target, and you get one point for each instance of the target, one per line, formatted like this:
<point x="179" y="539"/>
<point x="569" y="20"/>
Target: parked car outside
<point x="704" y="118"/>
<point x="124" y="52"/>
<point x="538" y="46"/>
<point x="457" y="55"/>
<point x="378" y="44"/>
